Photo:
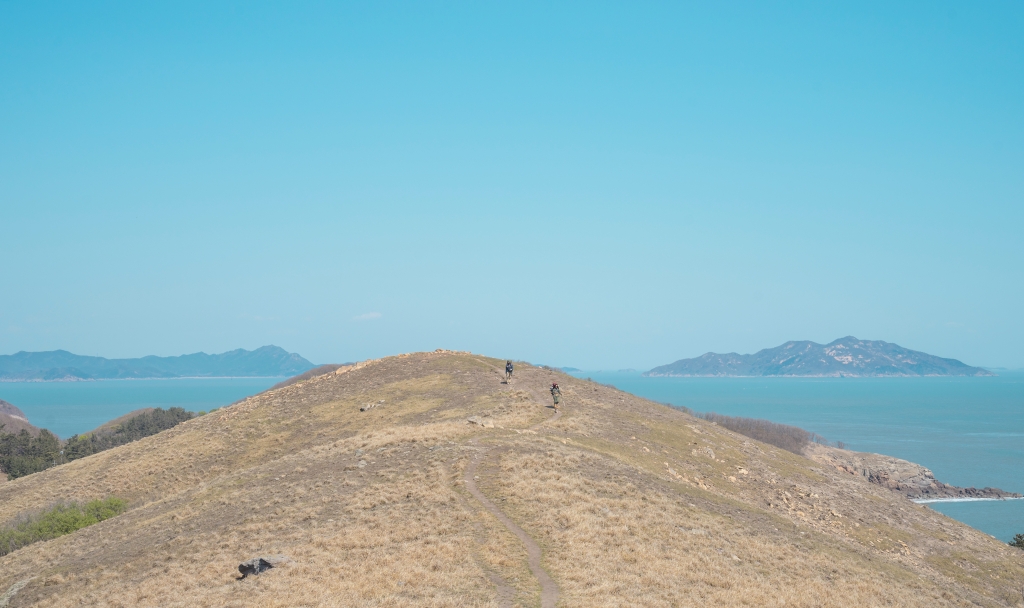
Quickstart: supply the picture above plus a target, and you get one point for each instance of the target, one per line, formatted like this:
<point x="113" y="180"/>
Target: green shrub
<point x="57" y="521"/>
<point x="1018" y="541"/>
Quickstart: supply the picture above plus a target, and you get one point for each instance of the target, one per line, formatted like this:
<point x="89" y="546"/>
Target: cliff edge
<point x="907" y="478"/>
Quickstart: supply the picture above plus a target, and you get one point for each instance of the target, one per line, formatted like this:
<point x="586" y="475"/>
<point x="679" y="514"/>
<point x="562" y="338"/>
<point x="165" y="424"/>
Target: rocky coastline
<point x="909" y="479"/>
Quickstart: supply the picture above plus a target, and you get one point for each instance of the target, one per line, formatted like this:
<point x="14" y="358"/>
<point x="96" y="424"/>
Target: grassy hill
<point x="614" y="501"/>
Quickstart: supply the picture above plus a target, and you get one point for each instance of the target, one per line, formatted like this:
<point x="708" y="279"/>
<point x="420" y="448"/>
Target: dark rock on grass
<point x="257" y="565"/>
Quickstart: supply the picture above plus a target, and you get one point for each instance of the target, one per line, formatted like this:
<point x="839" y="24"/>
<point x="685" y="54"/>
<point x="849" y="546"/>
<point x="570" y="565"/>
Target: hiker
<point x="556" y="394"/>
<point x="508" y="372"/>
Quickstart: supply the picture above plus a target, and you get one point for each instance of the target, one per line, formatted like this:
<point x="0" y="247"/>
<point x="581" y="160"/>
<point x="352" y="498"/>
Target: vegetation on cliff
<point x="24" y="453"/>
<point x="790" y="438"/>
<point x="143" y="425"/>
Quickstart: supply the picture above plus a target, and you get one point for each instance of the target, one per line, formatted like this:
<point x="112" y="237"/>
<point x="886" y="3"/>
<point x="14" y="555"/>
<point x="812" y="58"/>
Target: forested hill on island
<point x="60" y="365"/>
<point x="846" y="357"/>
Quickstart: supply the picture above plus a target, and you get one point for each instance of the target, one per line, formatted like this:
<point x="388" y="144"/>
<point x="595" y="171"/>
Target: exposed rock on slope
<point x="912" y="480"/>
<point x="628" y="502"/>
<point x="845" y="357"/>
<point x="14" y="420"/>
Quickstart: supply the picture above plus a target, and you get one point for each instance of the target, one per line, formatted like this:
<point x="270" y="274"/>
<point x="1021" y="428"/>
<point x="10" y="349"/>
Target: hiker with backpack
<point x="508" y="372"/>
<point x="556" y="394"/>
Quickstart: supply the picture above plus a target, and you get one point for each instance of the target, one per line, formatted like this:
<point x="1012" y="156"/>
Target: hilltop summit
<point x="424" y="480"/>
<point x="845" y="357"/>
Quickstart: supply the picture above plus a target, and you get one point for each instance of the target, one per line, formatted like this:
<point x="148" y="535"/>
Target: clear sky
<point x="591" y="184"/>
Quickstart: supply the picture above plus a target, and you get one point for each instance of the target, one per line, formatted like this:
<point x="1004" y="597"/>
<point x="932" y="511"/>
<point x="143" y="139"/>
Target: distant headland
<point x="845" y="357"/>
<point x="62" y="366"/>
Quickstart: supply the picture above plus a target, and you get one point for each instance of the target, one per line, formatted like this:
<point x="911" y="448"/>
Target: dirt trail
<point x="558" y="411"/>
<point x="548" y="587"/>
<point x="15" y="588"/>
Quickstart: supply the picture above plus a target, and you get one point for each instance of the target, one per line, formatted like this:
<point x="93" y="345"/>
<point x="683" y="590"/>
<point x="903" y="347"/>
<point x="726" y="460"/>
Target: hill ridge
<point x="631" y="501"/>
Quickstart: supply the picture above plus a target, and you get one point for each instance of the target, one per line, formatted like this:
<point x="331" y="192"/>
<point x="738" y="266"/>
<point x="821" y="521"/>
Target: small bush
<point x="57" y="521"/>
<point x="1018" y="541"/>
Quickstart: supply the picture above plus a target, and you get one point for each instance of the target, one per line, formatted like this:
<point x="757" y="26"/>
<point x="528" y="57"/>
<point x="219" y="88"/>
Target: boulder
<point x="257" y="565"/>
<point x="487" y="423"/>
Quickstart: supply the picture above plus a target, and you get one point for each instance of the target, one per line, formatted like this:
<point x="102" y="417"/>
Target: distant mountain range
<point x="60" y="365"/>
<point x="846" y="357"/>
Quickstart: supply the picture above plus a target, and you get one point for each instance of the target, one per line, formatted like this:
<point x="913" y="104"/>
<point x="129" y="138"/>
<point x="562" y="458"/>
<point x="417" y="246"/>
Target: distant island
<point x="62" y="366"/>
<point x="846" y="357"/>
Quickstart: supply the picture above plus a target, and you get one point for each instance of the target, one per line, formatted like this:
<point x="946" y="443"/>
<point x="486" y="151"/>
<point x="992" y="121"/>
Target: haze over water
<point x="968" y="431"/>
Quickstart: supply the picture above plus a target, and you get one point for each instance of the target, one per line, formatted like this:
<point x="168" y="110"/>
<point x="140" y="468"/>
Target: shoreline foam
<point x="924" y="501"/>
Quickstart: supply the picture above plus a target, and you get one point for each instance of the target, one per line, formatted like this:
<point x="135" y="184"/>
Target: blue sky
<point x="591" y="184"/>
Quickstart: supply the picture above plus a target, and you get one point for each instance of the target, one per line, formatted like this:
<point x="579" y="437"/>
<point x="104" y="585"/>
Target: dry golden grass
<point x="633" y="504"/>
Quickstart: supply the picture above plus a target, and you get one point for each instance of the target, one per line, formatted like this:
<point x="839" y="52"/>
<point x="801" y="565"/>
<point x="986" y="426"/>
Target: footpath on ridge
<point x="548" y="587"/>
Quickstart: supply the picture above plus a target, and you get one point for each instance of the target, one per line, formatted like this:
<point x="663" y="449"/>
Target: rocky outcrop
<point x="912" y="480"/>
<point x="257" y="565"/>
<point x="487" y="423"/>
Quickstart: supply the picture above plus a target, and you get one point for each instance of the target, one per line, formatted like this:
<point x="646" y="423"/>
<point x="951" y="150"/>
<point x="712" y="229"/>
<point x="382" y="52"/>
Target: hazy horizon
<point x="600" y="185"/>
<point x="559" y="365"/>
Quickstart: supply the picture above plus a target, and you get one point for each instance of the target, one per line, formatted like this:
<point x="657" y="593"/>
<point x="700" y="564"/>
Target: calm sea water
<point x="67" y="408"/>
<point x="968" y="431"/>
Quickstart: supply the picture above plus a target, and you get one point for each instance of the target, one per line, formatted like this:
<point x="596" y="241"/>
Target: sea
<point x="968" y="431"/>
<point x="70" y="408"/>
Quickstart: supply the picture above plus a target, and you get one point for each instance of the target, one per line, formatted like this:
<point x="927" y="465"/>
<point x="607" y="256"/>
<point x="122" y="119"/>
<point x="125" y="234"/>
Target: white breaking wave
<point x="922" y="501"/>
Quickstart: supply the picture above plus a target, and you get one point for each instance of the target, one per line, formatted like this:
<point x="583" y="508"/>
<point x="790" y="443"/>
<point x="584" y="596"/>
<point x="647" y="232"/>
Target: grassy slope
<point x="623" y="495"/>
<point x="14" y="421"/>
